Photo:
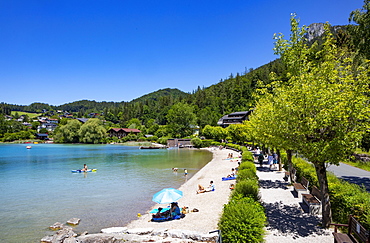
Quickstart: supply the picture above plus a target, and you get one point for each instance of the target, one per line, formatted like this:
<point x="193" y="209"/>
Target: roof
<point x="128" y="130"/>
<point x="83" y="120"/>
<point x="42" y="134"/>
<point x="234" y="118"/>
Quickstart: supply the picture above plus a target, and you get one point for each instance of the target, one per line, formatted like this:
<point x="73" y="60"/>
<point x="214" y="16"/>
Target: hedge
<point x="243" y="218"/>
<point x="242" y="221"/>
<point x="346" y="198"/>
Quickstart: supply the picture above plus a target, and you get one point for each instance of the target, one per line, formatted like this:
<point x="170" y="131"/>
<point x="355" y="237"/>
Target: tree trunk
<point x="289" y="154"/>
<point x="279" y="160"/>
<point x="324" y="188"/>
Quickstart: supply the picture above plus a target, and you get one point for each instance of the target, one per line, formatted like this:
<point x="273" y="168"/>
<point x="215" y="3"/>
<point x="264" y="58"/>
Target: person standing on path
<point x="276" y="157"/>
<point x="270" y="160"/>
<point x="261" y="158"/>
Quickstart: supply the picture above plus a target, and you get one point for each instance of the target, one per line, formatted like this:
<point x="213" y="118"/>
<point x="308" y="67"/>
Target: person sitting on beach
<point x="232" y="186"/>
<point x="232" y="173"/>
<point x="175" y="210"/>
<point x="158" y="214"/>
<point x="237" y="168"/>
<point x="210" y="188"/>
<point x="85" y="168"/>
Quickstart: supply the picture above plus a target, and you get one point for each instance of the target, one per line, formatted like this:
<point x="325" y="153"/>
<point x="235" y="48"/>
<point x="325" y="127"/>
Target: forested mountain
<point x="232" y="94"/>
<point x="236" y="93"/>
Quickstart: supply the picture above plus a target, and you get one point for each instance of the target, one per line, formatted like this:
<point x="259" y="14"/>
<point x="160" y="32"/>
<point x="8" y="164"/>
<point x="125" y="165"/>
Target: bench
<point x="301" y="187"/>
<point x="313" y="201"/>
<point x="356" y="232"/>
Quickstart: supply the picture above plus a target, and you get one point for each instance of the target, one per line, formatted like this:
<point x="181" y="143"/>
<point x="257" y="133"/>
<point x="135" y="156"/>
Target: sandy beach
<point x="209" y="204"/>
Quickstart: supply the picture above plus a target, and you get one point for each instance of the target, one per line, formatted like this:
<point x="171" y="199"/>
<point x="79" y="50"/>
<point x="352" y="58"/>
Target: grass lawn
<point x="29" y="114"/>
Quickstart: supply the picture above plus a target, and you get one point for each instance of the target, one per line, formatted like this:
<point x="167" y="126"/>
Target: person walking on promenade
<point x="261" y="158"/>
<point x="270" y="160"/>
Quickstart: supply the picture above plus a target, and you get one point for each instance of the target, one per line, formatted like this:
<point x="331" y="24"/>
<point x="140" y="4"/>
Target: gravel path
<point x="288" y="220"/>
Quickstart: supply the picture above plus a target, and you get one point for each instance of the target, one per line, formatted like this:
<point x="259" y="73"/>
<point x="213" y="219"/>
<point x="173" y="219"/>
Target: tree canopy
<point x="323" y="109"/>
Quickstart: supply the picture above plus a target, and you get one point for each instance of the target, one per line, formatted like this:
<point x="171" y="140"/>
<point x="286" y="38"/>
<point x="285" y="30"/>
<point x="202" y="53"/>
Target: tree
<point x="217" y="132"/>
<point x="134" y="123"/>
<point x="238" y="133"/>
<point x="92" y="131"/>
<point x="361" y="31"/>
<point x="180" y="117"/>
<point x="68" y="133"/>
<point x="323" y="109"/>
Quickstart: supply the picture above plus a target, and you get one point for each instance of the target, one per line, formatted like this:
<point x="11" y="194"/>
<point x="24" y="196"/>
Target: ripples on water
<point x="38" y="189"/>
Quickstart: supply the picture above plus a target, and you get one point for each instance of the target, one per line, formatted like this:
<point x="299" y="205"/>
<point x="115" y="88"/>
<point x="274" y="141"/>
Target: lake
<point x="38" y="189"/>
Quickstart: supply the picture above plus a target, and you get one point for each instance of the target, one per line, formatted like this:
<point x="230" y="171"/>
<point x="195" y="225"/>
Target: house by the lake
<point x="234" y="118"/>
<point x="122" y="132"/>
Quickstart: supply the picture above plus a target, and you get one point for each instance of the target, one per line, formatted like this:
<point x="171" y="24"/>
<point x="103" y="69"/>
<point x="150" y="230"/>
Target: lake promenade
<point x="287" y="220"/>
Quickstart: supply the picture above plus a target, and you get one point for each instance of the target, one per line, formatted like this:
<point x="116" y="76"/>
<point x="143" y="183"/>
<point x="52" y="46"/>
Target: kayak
<point x="228" y="178"/>
<point x="80" y="171"/>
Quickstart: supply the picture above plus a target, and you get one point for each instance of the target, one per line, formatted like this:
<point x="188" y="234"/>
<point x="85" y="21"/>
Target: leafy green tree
<point x="180" y="117"/>
<point x="43" y="130"/>
<point x="68" y="133"/>
<point x="92" y="131"/>
<point x="324" y="107"/>
<point x="163" y="131"/>
<point x="217" y="132"/>
<point x="35" y="125"/>
<point x="361" y="31"/>
<point x="134" y="123"/>
<point x="365" y="143"/>
<point x="238" y="133"/>
<point x="207" y="116"/>
<point x="3" y="125"/>
<point x="15" y="126"/>
<point x="197" y="142"/>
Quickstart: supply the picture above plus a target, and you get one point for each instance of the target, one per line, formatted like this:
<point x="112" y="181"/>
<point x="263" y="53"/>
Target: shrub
<point x="242" y="221"/>
<point x="163" y="140"/>
<point x="234" y="146"/>
<point x="246" y="175"/>
<point x="214" y="143"/>
<point x="206" y="143"/>
<point x="346" y="198"/>
<point x="247" y="166"/>
<point x="153" y="138"/>
<point x="247" y="188"/>
<point x="142" y="139"/>
<point x="197" y="142"/>
<point x="247" y="155"/>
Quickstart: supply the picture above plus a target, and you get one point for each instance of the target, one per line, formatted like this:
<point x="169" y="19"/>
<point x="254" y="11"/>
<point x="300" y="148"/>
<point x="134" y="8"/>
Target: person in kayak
<point x="85" y="168"/>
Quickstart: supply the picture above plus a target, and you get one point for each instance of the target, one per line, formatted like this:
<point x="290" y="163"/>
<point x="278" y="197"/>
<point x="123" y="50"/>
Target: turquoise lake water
<point x="38" y="189"/>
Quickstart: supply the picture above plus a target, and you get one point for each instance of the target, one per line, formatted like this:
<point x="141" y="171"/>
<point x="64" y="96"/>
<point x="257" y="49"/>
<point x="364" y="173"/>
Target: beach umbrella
<point x="167" y="195"/>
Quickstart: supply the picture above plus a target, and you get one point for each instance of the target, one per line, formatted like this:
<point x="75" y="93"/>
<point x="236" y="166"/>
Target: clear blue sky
<point x="60" y="51"/>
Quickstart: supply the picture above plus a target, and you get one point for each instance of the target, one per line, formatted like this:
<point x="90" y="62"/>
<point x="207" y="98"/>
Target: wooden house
<point x="234" y="118"/>
<point x="122" y="132"/>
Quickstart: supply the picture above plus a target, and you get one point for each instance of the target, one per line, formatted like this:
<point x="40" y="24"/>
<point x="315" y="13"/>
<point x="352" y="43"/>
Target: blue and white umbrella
<point x="167" y="195"/>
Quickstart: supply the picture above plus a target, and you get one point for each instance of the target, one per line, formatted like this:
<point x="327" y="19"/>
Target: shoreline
<point x="209" y="204"/>
<point x="194" y="227"/>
